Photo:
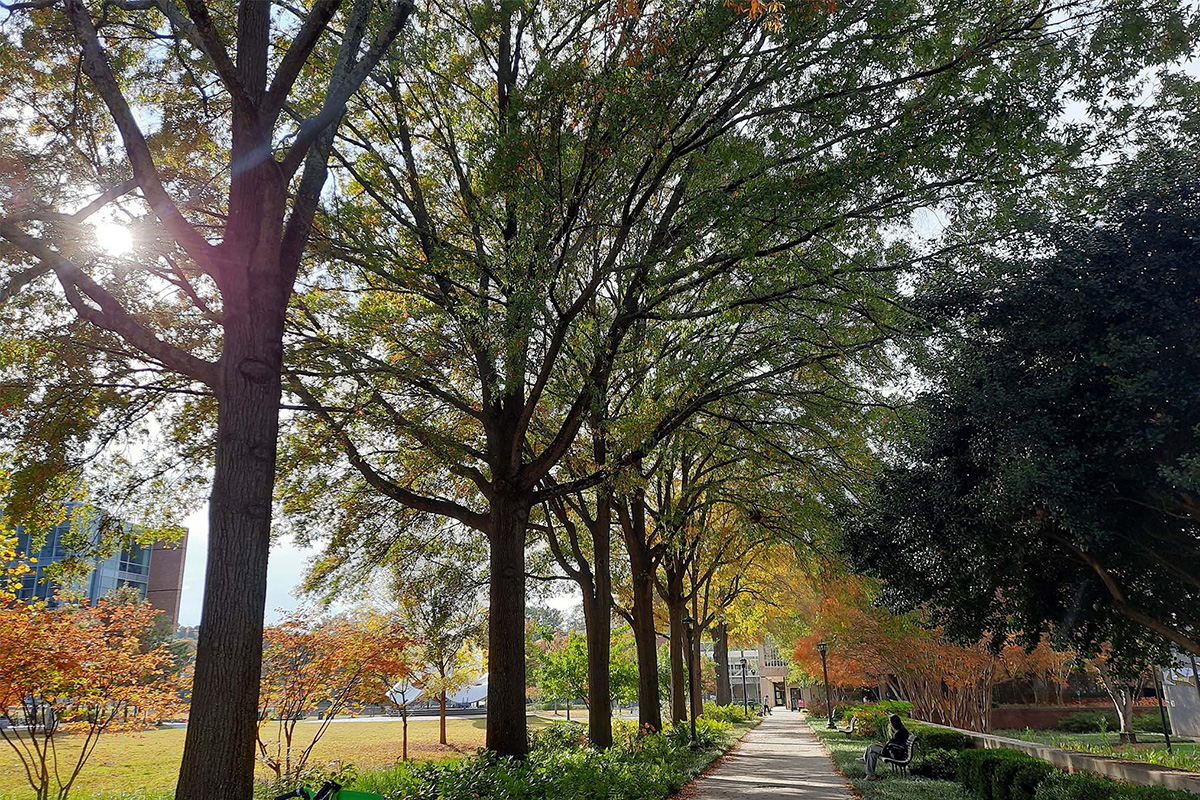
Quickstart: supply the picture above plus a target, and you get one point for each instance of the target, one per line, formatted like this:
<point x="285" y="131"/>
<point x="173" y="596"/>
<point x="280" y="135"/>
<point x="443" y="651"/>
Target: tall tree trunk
<point x="642" y="610"/>
<point x="675" y="613"/>
<point x="597" y="615"/>
<point x="721" y="656"/>
<point x="218" y="754"/>
<point x="507" y="732"/>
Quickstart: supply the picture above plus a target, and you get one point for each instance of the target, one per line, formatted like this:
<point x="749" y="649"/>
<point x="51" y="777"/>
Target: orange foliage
<point x="76" y="669"/>
<point x="945" y="682"/>
<point x="326" y="667"/>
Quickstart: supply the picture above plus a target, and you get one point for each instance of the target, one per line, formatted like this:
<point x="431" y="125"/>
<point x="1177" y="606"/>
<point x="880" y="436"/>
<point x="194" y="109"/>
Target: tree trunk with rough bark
<point x="675" y="614"/>
<point x="721" y="657"/>
<point x="223" y="716"/>
<point x="645" y="639"/>
<point x="507" y="731"/>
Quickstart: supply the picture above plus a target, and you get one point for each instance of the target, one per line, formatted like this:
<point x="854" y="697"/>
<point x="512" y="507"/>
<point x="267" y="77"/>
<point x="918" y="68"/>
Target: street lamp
<point x="689" y="626"/>
<point x="745" y="697"/>
<point x="823" y="648"/>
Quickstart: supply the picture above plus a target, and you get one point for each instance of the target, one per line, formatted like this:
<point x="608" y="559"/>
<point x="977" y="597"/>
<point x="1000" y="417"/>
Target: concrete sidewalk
<point x="779" y="758"/>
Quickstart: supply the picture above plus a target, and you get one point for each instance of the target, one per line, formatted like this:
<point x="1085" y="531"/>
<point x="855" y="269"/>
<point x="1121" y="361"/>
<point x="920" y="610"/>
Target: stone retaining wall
<point x="1128" y="771"/>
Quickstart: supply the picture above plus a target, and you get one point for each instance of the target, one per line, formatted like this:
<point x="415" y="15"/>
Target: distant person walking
<point x="766" y="708"/>
<point x="896" y="747"/>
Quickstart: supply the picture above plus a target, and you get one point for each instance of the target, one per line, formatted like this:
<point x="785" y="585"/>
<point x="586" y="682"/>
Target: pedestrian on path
<point x="895" y="747"/>
<point x="766" y="708"/>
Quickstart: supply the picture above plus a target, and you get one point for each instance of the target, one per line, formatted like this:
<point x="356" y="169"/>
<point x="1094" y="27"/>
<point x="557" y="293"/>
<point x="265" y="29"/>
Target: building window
<point x="134" y="559"/>
<point x="771" y="657"/>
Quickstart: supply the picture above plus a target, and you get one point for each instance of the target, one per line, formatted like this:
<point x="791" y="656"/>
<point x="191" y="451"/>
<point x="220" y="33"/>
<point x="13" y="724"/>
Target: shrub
<point x="1148" y="721"/>
<point x="1089" y="722"/>
<point x="1018" y="778"/>
<point x="1084" y="786"/>
<point x="940" y="738"/>
<point x="1029" y="778"/>
<point x="709" y="733"/>
<point x="873" y="717"/>
<point x="731" y="713"/>
<point x="938" y="764"/>
<point x="643" y="768"/>
<point x="976" y="769"/>
<point x="559" y="736"/>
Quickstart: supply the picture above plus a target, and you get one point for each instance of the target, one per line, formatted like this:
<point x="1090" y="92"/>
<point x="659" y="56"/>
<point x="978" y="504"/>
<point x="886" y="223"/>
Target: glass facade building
<point x="129" y="568"/>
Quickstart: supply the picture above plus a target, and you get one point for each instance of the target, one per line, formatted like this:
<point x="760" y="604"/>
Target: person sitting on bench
<point x="896" y="747"/>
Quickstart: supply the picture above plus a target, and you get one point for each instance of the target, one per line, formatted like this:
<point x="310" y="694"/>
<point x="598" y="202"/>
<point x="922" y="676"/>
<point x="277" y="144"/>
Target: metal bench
<point x="901" y="764"/>
<point x="849" y="731"/>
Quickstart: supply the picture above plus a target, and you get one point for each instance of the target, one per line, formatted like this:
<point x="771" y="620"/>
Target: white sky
<point x="284" y="573"/>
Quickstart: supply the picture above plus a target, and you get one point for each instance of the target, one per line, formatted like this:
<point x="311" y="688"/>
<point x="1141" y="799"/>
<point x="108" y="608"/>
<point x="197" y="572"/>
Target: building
<point x="155" y="572"/>
<point x="766" y="675"/>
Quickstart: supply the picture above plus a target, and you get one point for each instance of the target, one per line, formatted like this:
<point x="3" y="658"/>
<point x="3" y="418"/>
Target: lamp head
<point x="743" y="663"/>
<point x="689" y="624"/>
<point x="822" y="647"/>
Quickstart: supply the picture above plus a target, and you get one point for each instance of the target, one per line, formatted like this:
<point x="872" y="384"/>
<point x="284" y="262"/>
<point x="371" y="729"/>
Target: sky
<point x="285" y="569"/>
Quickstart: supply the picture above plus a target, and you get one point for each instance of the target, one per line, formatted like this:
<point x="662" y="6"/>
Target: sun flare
<point x="113" y="239"/>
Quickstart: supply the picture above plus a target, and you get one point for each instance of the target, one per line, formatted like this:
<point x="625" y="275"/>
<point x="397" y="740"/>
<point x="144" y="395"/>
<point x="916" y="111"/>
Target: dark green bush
<point x="936" y="763"/>
<point x="976" y="769"/>
<point x="940" y="738"/>
<point x="1027" y="779"/>
<point x="1148" y="721"/>
<point x="1082" y="786"/>
<point x="1018" y="778"/>
<point x="1089" y="722"/>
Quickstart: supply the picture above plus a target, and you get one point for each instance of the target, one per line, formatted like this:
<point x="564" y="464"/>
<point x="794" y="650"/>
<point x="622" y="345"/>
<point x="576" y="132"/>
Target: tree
<point x="326" y="667"/>
<point x="564" y="672"/>
<point x="1047" y="481"/>
<point x="575" y="170"/>
<point x="439" y="607"/>
<point x="205" y="293"/>
<point x="79" y="670"/>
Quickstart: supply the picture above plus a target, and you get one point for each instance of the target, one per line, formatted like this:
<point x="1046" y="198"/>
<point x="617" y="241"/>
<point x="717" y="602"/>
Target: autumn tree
<point x="327" y="667"/>
<point x="571" y="171"/>
<point x="77" y="672"/>
<point x="209" y="125"/>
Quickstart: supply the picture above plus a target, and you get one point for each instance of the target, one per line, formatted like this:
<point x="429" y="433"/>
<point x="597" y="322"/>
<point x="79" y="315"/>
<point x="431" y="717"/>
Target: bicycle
<point x="330" y="790"/>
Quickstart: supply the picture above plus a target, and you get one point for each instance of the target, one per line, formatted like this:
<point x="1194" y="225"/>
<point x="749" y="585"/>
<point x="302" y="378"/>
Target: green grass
<point x="149" y="762"/>
<point x="1151" y="747"/>
<point x="847" y="754"/>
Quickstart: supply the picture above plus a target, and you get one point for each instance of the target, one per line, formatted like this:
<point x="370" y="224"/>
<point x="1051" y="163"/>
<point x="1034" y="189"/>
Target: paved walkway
<point x="779" y="758"/>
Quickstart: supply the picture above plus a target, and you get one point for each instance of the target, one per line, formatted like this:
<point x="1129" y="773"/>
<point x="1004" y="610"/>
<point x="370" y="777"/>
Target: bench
<point x="849" y="731"/>
<point x="901" y="764"/>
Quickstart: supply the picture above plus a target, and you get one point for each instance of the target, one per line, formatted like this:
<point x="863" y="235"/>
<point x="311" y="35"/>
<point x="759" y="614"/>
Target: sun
<point x="113" y="239"/>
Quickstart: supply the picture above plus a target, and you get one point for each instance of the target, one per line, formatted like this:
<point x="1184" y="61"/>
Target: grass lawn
<point x="847" y="753"/>
<point x="1151" y="747"/>
<point x="150" y="761"/>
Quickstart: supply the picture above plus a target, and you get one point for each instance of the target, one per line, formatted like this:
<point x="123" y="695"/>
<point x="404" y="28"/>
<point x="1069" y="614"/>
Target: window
<point x="771" y="657"/>
<point x="135" y="559"/>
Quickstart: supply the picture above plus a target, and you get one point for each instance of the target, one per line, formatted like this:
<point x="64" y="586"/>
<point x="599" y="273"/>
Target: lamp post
<point x="689" y="626"/>
<point x="823" y="648"/>
<point x="745" y="697"/>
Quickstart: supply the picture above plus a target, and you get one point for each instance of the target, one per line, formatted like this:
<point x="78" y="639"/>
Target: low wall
<point x="1038" y="717"/>
<point x="1128" y="771"/>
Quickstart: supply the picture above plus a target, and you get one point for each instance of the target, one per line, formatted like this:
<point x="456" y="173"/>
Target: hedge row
<point x="1013" y="775"/>
<point x="1145" y="721"/>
